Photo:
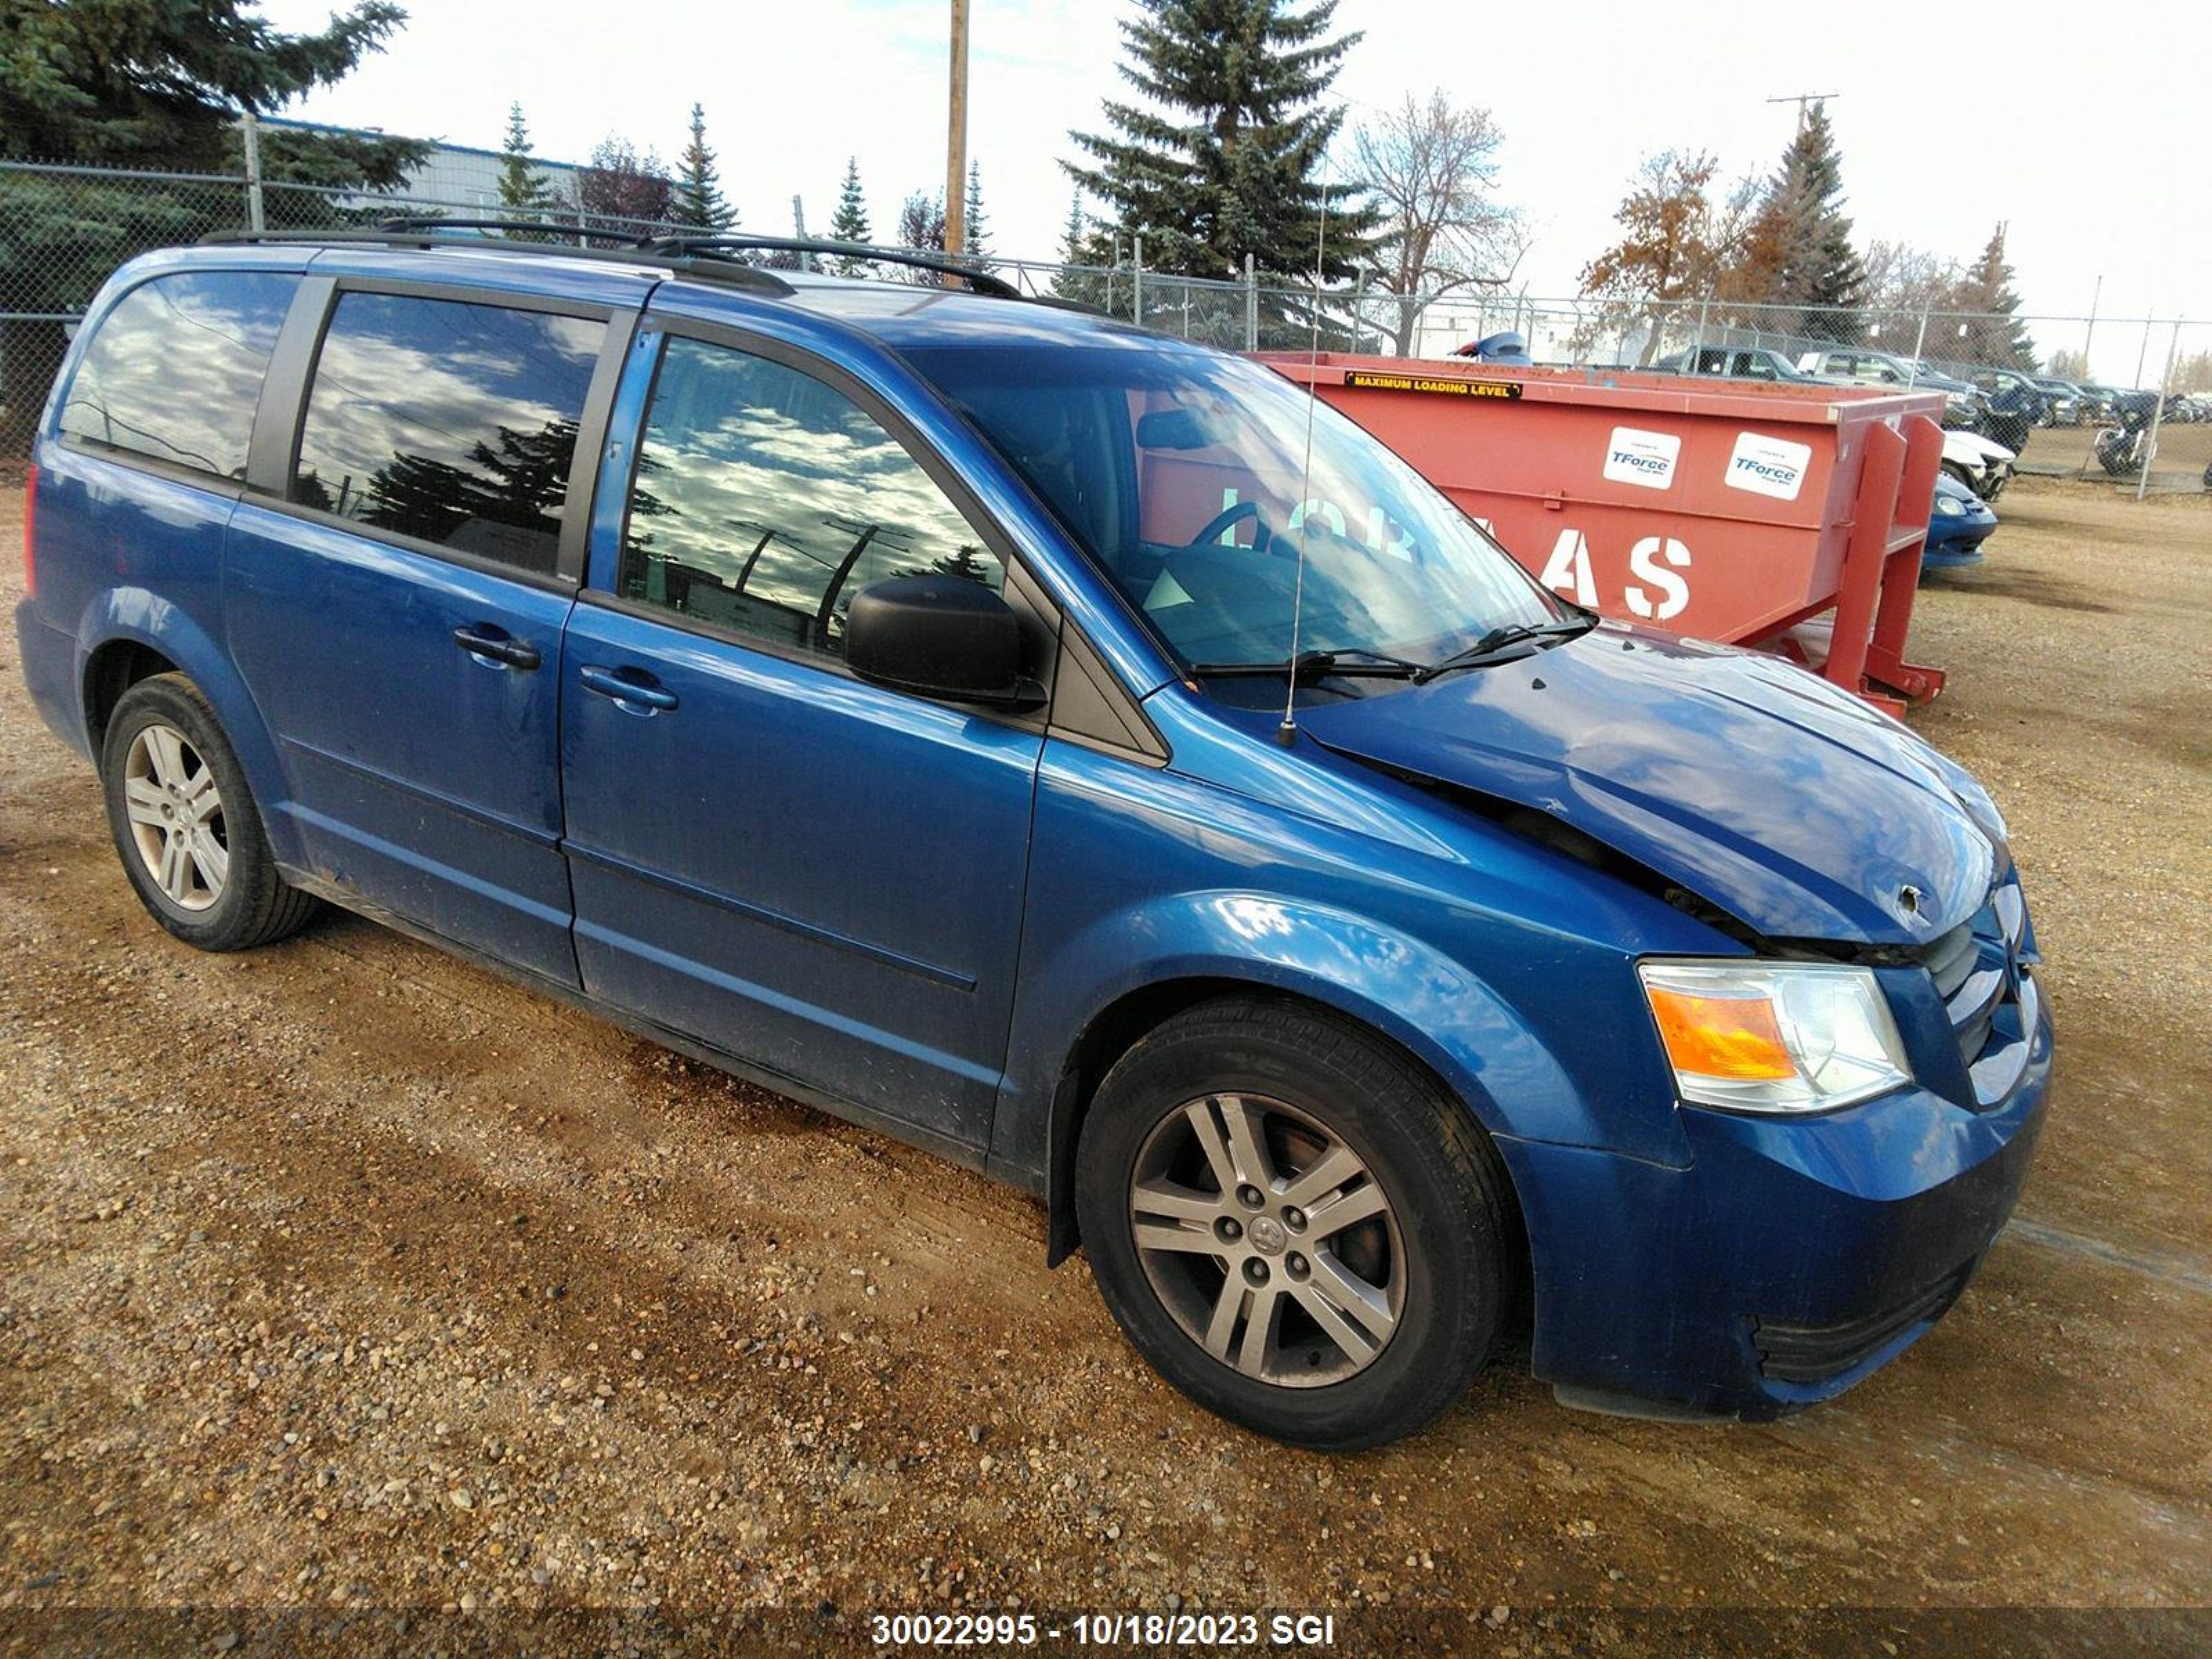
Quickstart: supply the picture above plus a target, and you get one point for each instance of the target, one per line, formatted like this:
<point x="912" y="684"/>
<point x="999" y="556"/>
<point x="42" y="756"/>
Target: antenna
<point x="1287" y="733"/>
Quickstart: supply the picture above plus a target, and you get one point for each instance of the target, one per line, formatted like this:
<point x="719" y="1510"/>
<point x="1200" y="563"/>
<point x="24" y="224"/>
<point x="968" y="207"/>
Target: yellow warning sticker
<point x="1450" y="388"/>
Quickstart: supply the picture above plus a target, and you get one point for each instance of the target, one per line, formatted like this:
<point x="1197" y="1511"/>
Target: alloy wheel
<point x="176" y="817"/>
<point x="1269" y="1240"/>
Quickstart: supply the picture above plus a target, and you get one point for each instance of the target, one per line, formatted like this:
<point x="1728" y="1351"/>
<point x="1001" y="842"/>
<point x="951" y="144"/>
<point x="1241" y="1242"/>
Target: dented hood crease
<point x="1763" y="789"/>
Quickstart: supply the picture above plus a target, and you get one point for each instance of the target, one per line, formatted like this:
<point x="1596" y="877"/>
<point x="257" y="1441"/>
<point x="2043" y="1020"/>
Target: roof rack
<point x="981" y="280"/>
<point x="422" y="233"/>
<point x="399" y="222"/>
<point x="705" y="256"/>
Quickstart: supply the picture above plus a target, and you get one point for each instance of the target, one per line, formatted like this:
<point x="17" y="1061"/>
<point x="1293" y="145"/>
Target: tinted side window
<point x="450" y="422"/>
<point x="766" y="498"/>
<point x="175" y="369"/>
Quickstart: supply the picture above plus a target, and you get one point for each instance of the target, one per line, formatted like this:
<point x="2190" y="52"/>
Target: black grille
<point x="1814" y="1353"/>
<point x="1981" y="969"/>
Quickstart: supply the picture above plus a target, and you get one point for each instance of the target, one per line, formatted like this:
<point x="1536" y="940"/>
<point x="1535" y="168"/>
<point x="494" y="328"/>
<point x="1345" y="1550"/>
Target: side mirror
<point x="940" y="636"/>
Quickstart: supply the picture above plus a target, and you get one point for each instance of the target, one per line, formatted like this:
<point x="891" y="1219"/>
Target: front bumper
<point x="1788" y="1262"/>
<point x="1956" y="539"/>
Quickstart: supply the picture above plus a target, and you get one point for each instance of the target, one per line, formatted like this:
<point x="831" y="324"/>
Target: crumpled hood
<point x="1764" y="790"/>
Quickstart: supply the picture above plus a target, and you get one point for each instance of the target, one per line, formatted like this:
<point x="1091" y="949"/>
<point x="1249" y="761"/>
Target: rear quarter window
<point x="173" y="372"/>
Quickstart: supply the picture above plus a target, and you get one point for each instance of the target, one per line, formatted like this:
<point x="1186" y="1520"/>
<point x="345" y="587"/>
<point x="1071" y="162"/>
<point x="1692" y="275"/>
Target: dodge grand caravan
<point x="1071" y="750"/>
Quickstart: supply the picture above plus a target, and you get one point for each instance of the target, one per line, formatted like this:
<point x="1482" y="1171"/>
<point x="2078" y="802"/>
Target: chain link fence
<point x="2075" y="395"/>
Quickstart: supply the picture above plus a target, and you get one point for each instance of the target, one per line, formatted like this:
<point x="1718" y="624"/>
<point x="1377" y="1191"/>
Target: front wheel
<point x="185" y="826"/>
<point x="1294" y="1224"/>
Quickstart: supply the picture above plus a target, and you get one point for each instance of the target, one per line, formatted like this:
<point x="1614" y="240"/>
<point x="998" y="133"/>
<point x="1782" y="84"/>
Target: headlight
<point x="1950" y="505"/>
<point x="1766" y="1036"/>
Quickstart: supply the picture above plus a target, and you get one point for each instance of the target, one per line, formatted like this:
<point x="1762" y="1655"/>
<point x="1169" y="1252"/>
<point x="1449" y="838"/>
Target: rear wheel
<point x="185" y="826"/>
<point x="1294" y="1224"/>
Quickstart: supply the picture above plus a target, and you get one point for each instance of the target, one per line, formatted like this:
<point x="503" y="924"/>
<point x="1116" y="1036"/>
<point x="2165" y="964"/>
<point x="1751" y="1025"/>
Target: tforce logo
<point x="1768" y="466"/>
<point x="1644" y="459"/>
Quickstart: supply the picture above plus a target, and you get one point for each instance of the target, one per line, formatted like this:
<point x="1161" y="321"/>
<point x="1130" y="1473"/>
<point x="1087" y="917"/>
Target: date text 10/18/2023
<point x="1103" y="1629"/>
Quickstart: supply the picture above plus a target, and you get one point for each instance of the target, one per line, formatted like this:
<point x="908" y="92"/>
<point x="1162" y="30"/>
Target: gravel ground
<point x="350" y="1295"/>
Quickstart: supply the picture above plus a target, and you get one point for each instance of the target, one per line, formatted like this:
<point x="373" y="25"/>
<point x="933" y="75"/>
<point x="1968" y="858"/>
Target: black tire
<point x="1452" y="1224"/>
<point x="254" y="905"/>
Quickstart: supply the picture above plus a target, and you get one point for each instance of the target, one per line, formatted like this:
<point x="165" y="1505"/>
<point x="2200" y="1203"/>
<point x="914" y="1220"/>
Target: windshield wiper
<point x="1309" y="665"/>
<point x="1503" y="639"/>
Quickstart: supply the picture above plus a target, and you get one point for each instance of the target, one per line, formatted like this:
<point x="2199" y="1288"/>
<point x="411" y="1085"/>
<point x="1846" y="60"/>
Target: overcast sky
<point x="2084" y="127"/>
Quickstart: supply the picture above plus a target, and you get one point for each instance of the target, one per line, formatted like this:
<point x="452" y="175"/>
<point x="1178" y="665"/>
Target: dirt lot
<point x="344" y="1282"/>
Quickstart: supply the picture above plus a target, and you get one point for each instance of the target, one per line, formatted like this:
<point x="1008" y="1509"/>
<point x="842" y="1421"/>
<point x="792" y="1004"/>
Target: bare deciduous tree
<point x="1903" y="278"/>
<point x="1432" y="168"/>
<point x="2069" y="365"/>
<point x="1674" y="242"/>
<point x="622" y="185"/>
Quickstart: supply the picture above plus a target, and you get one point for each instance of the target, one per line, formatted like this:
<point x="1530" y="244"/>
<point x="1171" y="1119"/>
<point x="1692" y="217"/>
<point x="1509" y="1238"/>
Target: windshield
<point x="1178" y="470"/>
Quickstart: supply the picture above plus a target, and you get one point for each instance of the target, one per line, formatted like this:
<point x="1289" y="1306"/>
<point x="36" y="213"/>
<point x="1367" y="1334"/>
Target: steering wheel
<point x="1235" y="515"/>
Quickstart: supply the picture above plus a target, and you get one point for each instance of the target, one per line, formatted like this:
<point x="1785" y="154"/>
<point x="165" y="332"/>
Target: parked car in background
<point x="2098" y="401"/>
<point x="1743" y="363"/>
<point x="1958" y="526"/>
<point x="1965" y="406"/>
<point x="1983" y="464"/>
<point x="2063" y="402"/>
<point x="2016" y="404"/>
<point x="889" y="693"/>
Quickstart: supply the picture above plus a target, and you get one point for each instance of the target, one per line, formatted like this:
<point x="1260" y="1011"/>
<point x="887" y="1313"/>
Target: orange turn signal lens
<point x="1732" y="1037"/>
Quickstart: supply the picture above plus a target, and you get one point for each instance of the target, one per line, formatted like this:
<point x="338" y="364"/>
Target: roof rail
<point x="981" y="280"/>
<point x="706" y="257"/>
<point x="409" y="221"/>
<point x="423" y="233"/>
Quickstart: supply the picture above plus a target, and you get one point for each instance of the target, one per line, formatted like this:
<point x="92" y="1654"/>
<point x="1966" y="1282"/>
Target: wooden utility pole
<point x="1802" y="99"/>
<point x="956" y="143"/>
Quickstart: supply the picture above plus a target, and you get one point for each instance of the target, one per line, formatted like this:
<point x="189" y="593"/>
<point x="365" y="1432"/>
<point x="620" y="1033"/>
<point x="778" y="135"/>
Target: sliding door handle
<point x="487" y="640"/>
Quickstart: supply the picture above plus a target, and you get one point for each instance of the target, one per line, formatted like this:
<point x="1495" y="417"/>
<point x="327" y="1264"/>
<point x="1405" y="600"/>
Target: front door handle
<point x="632" y="688"/>
<point x="487" y="640"/>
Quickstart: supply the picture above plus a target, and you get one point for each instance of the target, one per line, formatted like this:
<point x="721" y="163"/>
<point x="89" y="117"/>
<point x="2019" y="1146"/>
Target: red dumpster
<point x="1731" y="511"/>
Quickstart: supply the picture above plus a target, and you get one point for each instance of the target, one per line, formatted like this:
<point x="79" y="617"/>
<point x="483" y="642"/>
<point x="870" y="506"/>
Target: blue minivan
<point x="1070" y="750"/>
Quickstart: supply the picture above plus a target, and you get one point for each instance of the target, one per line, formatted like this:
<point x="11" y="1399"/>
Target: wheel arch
<point x="114" y="666"/>
<point x="130" y="635"/>
<point x="1120" y="1022"/>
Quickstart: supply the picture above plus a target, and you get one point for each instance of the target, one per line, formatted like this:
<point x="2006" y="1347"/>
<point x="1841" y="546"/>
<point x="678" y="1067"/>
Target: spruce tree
<point x="1805" y="237"/>
<point x="975" y="232"/>
<point x="521" y="189"/>
<point x="1998" y="336"/>
<point x="697" y="203"/>
<point x="1226" y="157"/>
<point x="850" y="222"/>
<point x="1077" y="248"/>
<point x="147" y="83"/>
